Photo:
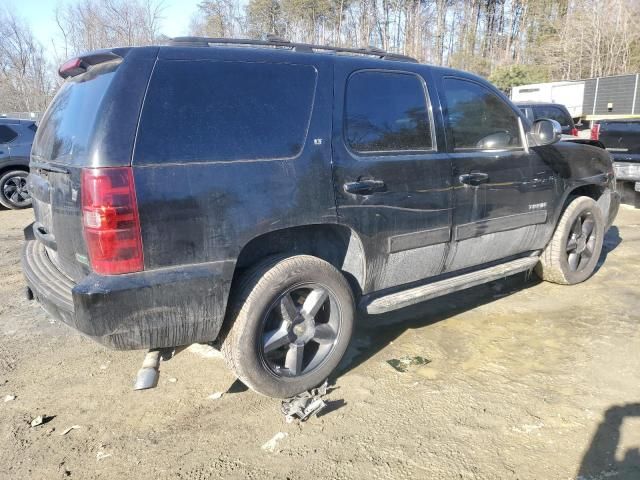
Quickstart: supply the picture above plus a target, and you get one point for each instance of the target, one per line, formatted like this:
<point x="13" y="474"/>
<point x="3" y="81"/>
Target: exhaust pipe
<point x="149" y="374"/>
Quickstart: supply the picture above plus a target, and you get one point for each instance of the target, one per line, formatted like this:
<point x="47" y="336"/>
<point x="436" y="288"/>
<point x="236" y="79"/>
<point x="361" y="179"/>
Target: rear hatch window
<point x="65" y="130"/>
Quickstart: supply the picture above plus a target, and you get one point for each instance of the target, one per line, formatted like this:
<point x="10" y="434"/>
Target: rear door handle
<point x="474" y="179"/>
<point x="365" y="187"/>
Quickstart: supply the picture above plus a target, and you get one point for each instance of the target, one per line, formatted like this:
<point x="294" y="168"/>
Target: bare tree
<point x="92" y="24"/>
<point x="25" y="80"/>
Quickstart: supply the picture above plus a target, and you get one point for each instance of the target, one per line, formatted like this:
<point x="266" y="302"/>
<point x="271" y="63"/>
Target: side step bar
<point x="419" y="294"/>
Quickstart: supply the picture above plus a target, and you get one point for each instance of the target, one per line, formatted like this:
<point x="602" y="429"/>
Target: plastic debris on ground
<point x="403" y="364"/>
<point x="9" y="398"/>
<point x="271" y="445"/>
<point x="67" y="430"/>
<point x="215" y="396"/>
<point x="305" y="404"/>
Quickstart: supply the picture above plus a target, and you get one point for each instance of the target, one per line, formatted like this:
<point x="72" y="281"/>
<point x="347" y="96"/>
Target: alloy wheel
<point x="15" y="191"/>
<point x="300" y="330"/>
<point x="581" y="242"/>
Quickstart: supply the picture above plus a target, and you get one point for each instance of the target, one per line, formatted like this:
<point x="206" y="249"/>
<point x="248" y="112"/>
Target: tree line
<point x="511" y="42"/>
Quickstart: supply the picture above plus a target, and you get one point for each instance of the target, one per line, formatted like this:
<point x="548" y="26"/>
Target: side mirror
<point x="545" y="132"/>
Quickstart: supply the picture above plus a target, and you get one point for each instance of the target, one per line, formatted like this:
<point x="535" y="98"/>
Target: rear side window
<point x="386" y="112"/>
<point x="478" y="119"/>
<point x="553" y="113"/>
<point x="7" y="134"/>
<point x="67" y="126"/>
<point x="198" y="111"/>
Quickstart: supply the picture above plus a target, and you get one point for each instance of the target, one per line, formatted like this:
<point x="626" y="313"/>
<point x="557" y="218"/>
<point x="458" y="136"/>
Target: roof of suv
<point x="282" y="44"/>
<point x="15" y="121"/>
<point x="539" y="104"/>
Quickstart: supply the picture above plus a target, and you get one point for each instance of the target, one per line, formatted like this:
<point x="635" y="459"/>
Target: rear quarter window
<point x="202" y="111"/>
<point x="7" y="134"/>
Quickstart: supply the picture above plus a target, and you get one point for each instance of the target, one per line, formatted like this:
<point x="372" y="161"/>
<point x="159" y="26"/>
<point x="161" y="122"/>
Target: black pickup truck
<point x="262" y="195"/>
<point x="622" y="139"/>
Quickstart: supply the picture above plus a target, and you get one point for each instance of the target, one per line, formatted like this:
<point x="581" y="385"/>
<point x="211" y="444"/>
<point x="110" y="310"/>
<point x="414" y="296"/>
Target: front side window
<point x="553" y="113"/>
<point x="386" y="112"/>
<point x="478" y="119"/>
<point x="7" y="134"/>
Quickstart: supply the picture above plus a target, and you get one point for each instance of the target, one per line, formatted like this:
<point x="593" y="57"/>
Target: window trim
<point x="389" y="153"/>
<point x="523" y="141"/>
<point x="14" y="138"/>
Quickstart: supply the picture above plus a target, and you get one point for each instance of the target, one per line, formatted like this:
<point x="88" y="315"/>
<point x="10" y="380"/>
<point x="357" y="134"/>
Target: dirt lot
<point x="525" y="380"/>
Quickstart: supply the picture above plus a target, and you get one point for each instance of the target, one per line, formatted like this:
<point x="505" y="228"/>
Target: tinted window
<point x="7" y="134"/>
<point x="219" y="111"/>
<point x="386" y="112"/>
<point x="478" y="118"/>
<point x="68" y="123"/>
<point x="553" y="113"/>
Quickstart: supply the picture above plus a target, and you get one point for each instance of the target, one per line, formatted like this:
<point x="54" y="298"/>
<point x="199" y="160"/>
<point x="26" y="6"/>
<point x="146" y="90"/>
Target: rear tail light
<point x="574" y="131"/>
<point x="110" y="220"/>
<point x="595" y="131"/>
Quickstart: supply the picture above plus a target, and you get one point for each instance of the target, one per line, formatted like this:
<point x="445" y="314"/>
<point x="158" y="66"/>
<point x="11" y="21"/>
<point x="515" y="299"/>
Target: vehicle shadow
<point x="374" y="332"/>
<point x="611" y="241"/>
<point x="600" y="461"/>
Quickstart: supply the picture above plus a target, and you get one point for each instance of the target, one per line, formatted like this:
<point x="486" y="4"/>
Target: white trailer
<point x="569" y="94"/>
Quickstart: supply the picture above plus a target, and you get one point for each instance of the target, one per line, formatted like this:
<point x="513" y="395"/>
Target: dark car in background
<point x="16" y="137"/>
<point x="622" y="139"/>
<point x="552" y="111"/>
<point x="261" y="193"/>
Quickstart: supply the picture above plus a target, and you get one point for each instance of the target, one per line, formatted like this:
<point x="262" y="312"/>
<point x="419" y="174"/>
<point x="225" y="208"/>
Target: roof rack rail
<point x="273" y="41"/>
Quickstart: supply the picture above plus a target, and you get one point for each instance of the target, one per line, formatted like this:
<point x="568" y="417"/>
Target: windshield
<point x="65" y="130"/>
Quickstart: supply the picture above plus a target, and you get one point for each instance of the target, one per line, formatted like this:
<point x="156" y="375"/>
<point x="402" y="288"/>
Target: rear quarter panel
<point x="200" y="212"/>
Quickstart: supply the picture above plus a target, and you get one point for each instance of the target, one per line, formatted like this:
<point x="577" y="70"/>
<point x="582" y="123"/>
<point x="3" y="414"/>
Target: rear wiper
<point x="47" y="167"/>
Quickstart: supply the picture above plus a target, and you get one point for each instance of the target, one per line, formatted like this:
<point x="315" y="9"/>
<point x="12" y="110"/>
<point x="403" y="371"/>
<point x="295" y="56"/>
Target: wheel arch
<point x="8" y="168"/>
<point x="336" y="244"/>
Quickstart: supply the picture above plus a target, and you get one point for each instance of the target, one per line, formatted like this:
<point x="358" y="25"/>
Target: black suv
<point x="261" y="194"/>
<point x="16" y="137"/>
<point x="552" y="111"/>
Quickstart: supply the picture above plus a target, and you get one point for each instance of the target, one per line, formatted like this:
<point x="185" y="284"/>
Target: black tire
<point x="265" y="301"/>
<point x="573" y="252"/>
<point x="13" y="194"/>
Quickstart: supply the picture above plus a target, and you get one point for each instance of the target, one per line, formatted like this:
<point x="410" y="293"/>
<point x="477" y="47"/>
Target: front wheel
<point x="290" y="323"/>
<point x="573" y="252"/>
<point x="13" y="190"/>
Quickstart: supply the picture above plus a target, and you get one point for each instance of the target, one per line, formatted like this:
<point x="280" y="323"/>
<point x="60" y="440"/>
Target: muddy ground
<point x="521" y="379"/>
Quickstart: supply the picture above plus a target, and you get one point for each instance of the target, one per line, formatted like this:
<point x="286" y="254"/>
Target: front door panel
<point x="504" y="192"/>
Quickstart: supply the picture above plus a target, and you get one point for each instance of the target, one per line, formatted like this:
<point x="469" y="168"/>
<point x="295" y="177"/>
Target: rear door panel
<point x="405" y="228"/>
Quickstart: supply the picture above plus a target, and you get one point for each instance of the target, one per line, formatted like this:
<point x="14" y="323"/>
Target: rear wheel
<point x="289" y="325"/>
<point x="574" y="250"/>
<point x="13" y="190"/>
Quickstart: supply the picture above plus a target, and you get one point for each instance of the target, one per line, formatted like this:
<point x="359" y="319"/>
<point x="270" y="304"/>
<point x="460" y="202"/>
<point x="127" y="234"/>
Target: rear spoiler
<point x="80" y="64"/>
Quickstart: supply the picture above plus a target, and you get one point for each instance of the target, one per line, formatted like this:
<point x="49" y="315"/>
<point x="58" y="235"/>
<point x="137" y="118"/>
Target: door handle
<point x="365" y="187"/>
<point x="474" y="179"/>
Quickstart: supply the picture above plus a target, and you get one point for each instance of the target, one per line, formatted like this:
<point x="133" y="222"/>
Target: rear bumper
<point x="154" y="309"/>
<point x="627" y="171"/>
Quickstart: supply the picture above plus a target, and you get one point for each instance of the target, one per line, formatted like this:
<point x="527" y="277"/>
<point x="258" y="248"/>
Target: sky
<point x="39" y="15"/>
